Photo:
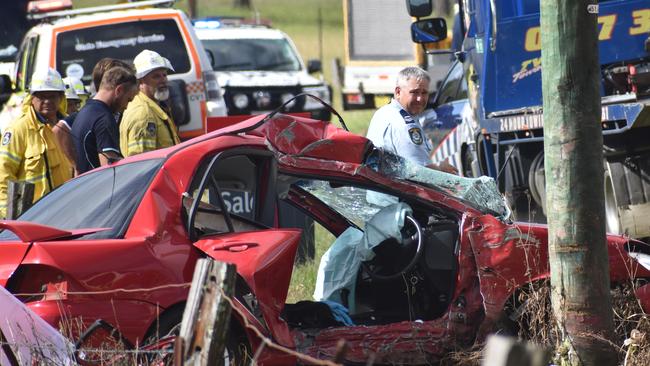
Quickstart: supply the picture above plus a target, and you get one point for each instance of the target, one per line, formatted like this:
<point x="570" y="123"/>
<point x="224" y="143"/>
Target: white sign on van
<point x="117" y="43"/>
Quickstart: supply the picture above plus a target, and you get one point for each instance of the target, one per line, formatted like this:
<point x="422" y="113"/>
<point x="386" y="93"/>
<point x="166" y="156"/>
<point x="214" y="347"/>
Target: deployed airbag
<point x="340" y="264"/>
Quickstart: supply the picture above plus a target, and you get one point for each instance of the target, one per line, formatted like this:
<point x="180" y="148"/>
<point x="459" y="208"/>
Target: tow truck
<point x="502" y="133"/>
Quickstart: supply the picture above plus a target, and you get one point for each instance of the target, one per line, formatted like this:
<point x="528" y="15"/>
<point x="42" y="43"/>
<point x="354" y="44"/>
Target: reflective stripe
<point x="145" y="143"/>
<point x="40" y="178"/>
<point x="11" y="156"/>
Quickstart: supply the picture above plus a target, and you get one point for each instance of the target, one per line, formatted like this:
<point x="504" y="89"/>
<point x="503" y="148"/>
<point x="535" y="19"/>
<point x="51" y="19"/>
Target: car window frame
<point x="266" y="194"/>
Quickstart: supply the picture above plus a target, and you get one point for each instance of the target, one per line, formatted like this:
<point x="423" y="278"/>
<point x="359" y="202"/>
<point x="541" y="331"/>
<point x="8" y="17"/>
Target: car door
<point x="231" y="208"/>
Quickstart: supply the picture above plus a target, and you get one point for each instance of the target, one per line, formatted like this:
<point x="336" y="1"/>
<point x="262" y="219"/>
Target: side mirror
<point x="314" y="66"/>
<point x="429" y="30"/>
<point x="419" y="8"/>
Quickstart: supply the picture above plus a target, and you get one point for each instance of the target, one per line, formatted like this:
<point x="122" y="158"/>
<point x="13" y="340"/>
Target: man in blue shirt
<point x="95" y="130"/>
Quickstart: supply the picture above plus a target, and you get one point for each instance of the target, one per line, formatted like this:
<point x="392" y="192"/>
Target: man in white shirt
<point x="395" y="128"/>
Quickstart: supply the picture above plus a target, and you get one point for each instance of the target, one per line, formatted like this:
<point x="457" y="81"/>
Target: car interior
<point x="410" y="278"/>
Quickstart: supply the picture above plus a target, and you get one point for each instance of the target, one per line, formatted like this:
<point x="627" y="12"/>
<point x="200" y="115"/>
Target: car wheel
<point x="169" y="323"/>
<point x="237" y="351"/>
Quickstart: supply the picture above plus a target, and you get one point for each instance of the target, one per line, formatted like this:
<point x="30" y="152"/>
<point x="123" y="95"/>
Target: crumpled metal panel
<point x="265" y="260"/>
<point x="411" y="343"/>
<point x="311" y="138"/>
<point x="482" y="192"/>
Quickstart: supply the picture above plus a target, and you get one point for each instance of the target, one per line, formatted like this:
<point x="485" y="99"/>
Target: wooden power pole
<point x="574" y="179"/>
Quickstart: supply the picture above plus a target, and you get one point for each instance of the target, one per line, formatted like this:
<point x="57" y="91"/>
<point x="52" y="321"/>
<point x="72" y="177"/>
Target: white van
<point x="259" y="68"/>
<point x="72" y="41"/>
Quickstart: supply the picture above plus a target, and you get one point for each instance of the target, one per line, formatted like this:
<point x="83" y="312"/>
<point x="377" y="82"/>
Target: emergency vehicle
<point x="260" y="68"/>
<point x="73" y="40"/>
<point x="13" y="25"/>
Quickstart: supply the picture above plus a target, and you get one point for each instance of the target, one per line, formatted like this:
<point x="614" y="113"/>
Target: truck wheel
<point x="611" y="204"/>
<point x="537" y="181"/>
<point x="627" y="197"/>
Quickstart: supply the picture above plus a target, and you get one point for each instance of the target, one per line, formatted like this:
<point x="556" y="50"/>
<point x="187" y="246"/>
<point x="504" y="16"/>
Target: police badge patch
<point x="151" y="129"/>
<point x="6" y="138"/>
<point x="416" y="135"/>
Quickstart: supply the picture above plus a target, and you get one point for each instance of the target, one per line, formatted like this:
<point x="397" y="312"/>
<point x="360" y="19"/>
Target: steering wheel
<point x="406" y="242"/>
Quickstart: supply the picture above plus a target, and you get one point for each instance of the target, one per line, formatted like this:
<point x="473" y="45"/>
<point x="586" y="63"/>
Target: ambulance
<point x="73" y="40"/>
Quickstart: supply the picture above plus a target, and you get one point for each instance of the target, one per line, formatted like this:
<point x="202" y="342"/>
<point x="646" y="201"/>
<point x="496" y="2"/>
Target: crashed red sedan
<point x="120" y="244"/>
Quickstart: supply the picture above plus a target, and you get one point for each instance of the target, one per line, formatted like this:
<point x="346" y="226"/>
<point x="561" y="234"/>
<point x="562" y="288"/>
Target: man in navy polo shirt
<point x="95" y="130"/>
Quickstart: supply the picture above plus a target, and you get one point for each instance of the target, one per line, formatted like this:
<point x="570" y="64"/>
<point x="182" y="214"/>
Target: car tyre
<point x="169" y="323"/>
<point x="238" y="350"/>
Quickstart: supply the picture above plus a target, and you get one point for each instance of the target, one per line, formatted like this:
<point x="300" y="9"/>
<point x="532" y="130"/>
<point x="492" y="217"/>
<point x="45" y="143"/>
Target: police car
<point x="73" y="40"/>
<point x="259" y="68"/>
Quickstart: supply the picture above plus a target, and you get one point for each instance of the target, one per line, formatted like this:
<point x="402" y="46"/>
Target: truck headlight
<point x="321" y="91"/>
<point x="286" y="96"/>
<point x="240" y="101"/>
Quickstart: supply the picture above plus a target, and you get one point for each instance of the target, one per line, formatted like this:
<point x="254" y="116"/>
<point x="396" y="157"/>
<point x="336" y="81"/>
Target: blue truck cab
<point x="501" y="62"/>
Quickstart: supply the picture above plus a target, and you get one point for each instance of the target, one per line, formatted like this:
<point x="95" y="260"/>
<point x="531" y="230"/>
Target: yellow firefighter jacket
<point x="145" y="126"/>
<point x="29" y="152"/>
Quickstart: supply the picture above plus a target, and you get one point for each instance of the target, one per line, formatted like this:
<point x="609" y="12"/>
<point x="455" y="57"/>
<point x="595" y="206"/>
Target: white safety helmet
<point x="147" y="61"/>
<point x="46" y="80"/>
<point x="76" y="85"/>
<point x="70" y="93"/>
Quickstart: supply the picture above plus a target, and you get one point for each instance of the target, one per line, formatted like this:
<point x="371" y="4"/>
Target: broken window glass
<point x="356" y="204"/>
<point x="480" y="193"/>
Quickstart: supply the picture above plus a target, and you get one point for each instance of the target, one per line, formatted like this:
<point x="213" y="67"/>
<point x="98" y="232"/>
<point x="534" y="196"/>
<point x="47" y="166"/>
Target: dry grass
<point x="536" y="323"/>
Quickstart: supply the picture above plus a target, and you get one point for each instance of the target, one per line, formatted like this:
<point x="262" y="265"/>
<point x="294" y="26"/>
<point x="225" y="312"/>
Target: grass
<point x="300" y="20"/>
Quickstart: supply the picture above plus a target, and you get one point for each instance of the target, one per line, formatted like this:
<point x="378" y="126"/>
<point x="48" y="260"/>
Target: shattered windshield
<point x="101" y="199"/>
<point x="358" y="205"/>
<point x="481" y="193"/>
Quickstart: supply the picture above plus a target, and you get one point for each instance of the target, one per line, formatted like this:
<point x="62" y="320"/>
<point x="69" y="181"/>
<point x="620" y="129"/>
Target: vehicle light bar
<point x="43" y="6"/>
<point x="228" y="21"/>
<point x="99" y="9"/>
